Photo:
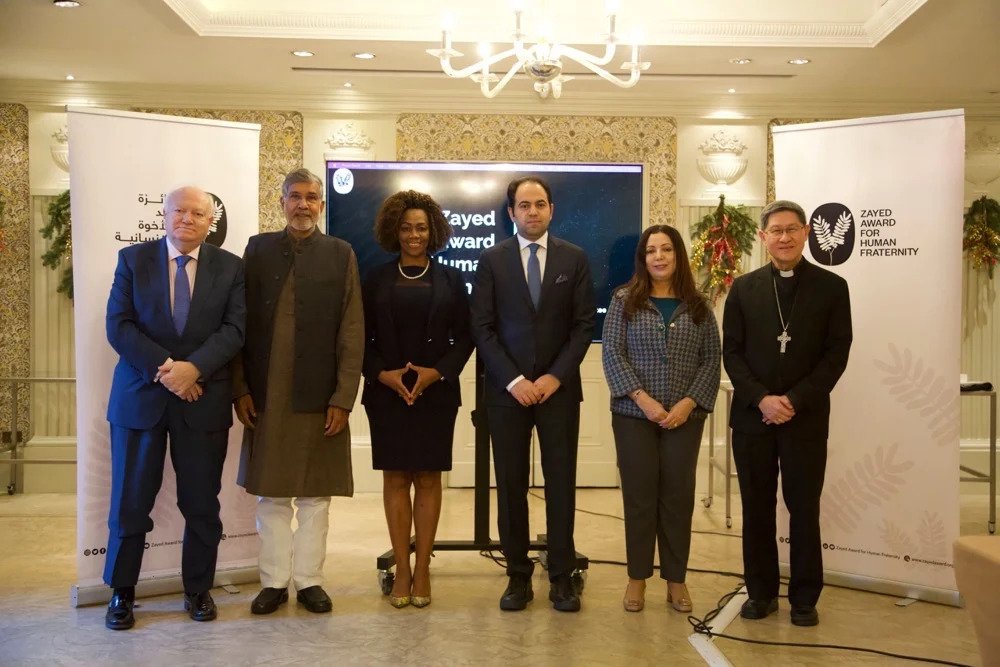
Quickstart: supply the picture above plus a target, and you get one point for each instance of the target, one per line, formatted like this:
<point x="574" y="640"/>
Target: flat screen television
<point x="597" y="206"/>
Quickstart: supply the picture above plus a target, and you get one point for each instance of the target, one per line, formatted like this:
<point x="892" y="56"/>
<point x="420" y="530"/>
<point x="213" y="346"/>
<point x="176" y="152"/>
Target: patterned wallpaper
<point x="652" y="141"/>
<point x="15" y="263"/>
<point x="280" y="151"/>
<point x="770" y="196"/>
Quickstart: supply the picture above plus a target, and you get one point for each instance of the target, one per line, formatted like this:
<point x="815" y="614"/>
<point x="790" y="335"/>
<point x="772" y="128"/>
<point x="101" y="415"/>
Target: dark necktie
<point x="534" y="275"/>
<point x="182" y="294"/>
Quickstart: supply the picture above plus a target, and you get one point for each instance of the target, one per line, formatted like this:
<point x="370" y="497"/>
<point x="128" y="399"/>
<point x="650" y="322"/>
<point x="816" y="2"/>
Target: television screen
<point x="596" y="206"/>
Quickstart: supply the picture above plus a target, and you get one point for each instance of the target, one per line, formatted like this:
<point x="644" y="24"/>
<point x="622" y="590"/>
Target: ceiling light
<point x="798" y="61"/>
<point x="740" y="61"/>
<point x="303" y="54"/>
<point x="364" y="55"/>
<point x="541" y="58"/>
<point x="66" y="4"/>
<point x="732" y="90"/>
<point x="348" y="84"/>
<point x="70" y="77"/>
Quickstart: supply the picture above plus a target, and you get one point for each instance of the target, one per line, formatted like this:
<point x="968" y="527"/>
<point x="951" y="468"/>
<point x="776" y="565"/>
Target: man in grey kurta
<point x="295" y="386"/>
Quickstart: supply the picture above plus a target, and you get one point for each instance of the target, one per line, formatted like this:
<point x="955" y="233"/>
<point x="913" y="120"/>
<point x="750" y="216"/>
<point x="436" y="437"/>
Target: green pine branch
<point x="59" y="231"/>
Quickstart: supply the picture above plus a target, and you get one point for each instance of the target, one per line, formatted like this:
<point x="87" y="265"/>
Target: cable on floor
<point x="700" y="625"/>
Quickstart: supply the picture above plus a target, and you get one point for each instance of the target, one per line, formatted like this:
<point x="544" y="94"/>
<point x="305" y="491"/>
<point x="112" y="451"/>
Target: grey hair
<point x="209" y="202"/>
<point x="301" y="175"/>
<point x="782" y="205"/>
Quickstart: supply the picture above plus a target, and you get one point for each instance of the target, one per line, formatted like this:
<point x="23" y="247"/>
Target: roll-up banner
<point x="121" y="166"/>
<point x="884" y="201"/>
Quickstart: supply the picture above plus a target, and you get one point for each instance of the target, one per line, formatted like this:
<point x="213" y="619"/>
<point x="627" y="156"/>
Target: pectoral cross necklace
<point x="784" y="338"/>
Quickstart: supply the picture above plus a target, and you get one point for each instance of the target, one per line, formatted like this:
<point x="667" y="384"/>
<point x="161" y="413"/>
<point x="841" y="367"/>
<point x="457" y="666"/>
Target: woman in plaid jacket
<point x="661" y="358"/>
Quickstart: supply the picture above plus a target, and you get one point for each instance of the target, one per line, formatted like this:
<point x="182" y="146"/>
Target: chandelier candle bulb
<point x="543" y="61"/>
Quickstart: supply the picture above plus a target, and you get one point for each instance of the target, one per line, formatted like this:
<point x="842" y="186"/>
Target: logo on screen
<point x="831" y="237"/>
<point x="343" y="181"/>
<point x="217" y="228"/>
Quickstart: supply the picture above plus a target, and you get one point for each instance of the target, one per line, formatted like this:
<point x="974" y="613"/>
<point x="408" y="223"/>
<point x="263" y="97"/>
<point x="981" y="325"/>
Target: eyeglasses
<point x="777" y="233"/>
<point x="197" y="214"/>
<point x="312" y="198"/>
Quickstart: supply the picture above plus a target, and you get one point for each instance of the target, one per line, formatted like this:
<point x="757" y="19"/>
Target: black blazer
<point x="141" y="330"/>
<point x="816" y="356"/>
<point x="449" y="344"/>
<point x="512" y="337"/>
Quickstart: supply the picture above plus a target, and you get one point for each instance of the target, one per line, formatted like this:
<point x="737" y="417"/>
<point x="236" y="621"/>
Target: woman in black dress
<point x="417" y="342"/>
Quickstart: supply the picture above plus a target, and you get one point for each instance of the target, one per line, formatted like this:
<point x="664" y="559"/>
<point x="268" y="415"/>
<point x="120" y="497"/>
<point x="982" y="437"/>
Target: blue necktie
<point x="534" y="275"/>
<point x="182" y="294"/>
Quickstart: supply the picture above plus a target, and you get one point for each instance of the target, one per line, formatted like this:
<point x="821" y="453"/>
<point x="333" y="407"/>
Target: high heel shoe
<point x="681" y="603"/>
<point x="400" y="602"/>
<point x="634" y="604"/>
<point x="420" y="601"/>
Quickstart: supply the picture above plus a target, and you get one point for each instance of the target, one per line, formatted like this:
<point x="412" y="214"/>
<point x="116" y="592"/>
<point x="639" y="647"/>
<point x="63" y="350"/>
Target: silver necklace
<point x="399" y="265"/>
<point x="784" y="338"/>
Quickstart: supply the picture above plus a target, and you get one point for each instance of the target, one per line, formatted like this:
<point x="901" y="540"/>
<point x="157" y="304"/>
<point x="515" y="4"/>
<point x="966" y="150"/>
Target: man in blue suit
<point x="176" y="318"/>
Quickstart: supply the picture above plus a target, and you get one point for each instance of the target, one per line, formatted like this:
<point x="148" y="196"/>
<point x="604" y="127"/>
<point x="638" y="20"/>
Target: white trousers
<point x="292" y="557"/>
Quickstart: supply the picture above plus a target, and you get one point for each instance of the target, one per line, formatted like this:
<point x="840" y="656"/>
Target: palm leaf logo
<point x="831" y="239"/>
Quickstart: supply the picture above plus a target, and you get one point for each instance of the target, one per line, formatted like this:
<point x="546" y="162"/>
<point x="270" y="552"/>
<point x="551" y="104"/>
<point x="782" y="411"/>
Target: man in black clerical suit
<point x="532" y="319"/>
<point x="786" y="338"/>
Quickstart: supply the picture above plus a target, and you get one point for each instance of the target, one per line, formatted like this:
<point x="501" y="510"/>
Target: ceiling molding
<point x="890" y="16"/>
<point x="47" y="95"/>
<point x="582" y="29"/>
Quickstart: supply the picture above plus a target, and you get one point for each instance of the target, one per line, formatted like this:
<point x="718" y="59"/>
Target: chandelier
<point x="542" y="61"/>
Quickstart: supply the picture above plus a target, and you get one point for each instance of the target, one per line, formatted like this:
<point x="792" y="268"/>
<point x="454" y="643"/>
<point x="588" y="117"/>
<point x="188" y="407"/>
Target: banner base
<point x="82" y="596"/>
<point x="886" y="587"/>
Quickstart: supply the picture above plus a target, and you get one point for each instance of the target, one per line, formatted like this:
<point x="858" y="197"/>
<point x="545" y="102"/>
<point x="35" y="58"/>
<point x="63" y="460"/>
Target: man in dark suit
<point x="532" y="320"/>
<point x="786" y="339"/>
<point x="176" y="318"/>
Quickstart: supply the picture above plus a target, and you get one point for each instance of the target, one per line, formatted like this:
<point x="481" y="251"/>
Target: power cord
<point x="701" y="625"/>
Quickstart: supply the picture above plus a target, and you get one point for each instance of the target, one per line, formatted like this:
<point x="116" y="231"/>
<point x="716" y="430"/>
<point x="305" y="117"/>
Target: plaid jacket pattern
<point x="667" y="360"/>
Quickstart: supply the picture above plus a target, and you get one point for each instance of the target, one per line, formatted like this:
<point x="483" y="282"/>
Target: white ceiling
<point x="868" y="56"/>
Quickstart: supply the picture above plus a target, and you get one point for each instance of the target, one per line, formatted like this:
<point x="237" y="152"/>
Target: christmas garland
<point x="981" y="233"/>
<point x="719" y="242"/>
<point x="59" y="230"/>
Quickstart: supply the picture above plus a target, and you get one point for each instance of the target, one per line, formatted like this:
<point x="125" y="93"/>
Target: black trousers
<point x="802" y="464"/>
<point x="558" y="424"/>
<point x="137" y="459"/>
<point x="657" y="468"/>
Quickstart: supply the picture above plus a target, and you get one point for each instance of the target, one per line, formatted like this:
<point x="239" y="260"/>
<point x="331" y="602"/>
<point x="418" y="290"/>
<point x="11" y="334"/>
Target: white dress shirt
<point x="542" y="251"/>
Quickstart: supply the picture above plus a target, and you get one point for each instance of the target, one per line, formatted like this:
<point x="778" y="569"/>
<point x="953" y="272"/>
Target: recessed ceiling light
<point x="348" y="84"/>
<point x="732" y="90"/>
<point x="66" y="4"/>
<point x="364" y="55"/>
<point x="70" y="77"/>
<point x="798" y="61"/>
<point x="303" y="54"/>
<point x="740" y="61"/>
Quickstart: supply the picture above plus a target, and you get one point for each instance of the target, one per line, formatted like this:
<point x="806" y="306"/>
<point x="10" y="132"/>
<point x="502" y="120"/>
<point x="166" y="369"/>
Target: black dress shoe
<point x="518" y="593"/>
<point x="758" y="609"/>
<point x="119" y="616"/>
<point x="563" y="594"/>
<point x="804" y="615"/>
<point x="200" y="606"/>
<point x="268" y="600"/>
<point x="315" y="599"/>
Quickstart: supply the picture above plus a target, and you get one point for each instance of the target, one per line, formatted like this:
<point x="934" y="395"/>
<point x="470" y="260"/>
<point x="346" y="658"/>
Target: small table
<point x="713" y="462"/>
<point x="977" y="475"/>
